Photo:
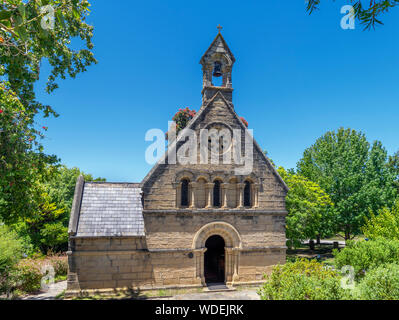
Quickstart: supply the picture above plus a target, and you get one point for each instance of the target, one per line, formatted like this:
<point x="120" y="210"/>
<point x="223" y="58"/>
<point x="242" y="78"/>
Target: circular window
<point x="219" y="138"/>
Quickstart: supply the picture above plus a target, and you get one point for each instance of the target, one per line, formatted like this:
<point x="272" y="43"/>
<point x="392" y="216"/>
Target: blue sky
<point x="296" y="76"/>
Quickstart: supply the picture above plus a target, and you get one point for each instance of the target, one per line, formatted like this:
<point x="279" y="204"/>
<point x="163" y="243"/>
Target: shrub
<point x="27" y="276"/>
<point x="60" y="264"/>
<point x="302" y="280"/>
<point x="11" y="249"/>
<point x="384" y="225"/>
<point x="381" y="283"/>
<point x="366" y="255"/>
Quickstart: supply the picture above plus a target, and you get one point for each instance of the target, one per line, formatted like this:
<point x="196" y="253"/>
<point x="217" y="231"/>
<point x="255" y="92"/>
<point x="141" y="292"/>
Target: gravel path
<point x="54" y="290"/>
<point x="222" y="295"/>
<point x="59" y="287"/>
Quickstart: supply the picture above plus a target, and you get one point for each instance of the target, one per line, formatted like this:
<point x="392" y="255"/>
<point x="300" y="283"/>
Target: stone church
<point x="185" y="225"/>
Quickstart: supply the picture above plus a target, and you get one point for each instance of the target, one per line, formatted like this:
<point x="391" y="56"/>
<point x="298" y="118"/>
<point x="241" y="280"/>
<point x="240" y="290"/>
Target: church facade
<point x="186" y="224"/>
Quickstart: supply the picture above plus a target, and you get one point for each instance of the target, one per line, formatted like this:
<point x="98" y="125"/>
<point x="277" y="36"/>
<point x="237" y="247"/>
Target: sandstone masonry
<point x="166" y="231"/>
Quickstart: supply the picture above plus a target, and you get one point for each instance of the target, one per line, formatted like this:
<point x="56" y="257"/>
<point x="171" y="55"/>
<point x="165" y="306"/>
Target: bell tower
<point x="217" y="62"/>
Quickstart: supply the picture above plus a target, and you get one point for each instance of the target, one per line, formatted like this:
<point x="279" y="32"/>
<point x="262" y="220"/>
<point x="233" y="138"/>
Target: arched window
<point x="247" y="194"/>
<point x="216" y="194"/>
<point x="184" y="193"/>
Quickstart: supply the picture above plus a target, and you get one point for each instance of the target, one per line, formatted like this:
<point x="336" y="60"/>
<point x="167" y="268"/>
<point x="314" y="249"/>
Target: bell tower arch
<point x="217" y="62"/>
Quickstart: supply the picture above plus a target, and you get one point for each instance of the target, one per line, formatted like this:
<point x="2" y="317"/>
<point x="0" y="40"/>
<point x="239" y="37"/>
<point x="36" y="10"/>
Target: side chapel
<point x="183" y="226"/>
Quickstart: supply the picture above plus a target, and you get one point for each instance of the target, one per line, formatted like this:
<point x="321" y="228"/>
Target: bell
<point x="217" y="70"/>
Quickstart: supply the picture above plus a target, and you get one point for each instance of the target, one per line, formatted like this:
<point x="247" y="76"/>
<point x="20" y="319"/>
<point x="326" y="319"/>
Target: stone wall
<point x="166" y="257"/>
<point x="160" y="191"/>
<point x="177" y="230"/>
<point x="254" y="264"/>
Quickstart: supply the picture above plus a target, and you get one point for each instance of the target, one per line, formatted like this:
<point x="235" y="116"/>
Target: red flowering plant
<point x="181" y="118"/>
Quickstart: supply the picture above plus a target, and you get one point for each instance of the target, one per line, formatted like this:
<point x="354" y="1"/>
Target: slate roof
<point x="109" y="210"/>
<point x="224" y="47"/>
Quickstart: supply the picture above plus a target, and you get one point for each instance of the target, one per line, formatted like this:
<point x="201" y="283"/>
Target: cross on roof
<point x="219" y="27"/>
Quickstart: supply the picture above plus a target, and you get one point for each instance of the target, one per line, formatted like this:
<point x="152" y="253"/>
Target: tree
<point x="29" y="33"/>
<point x="22" y="161"/>
<point x="181" y="119"/>
<point x="368" y="15"/>
<point x="308" y="208"/>
<point x="47" y="227"/>
<point x="354" y="174"/>
<point x="11" y="249"/>
<point x="61" y="187"/>
<point x="383" y="225"/>
<point x="27" y="36"/>
<point x="393" y="166"/>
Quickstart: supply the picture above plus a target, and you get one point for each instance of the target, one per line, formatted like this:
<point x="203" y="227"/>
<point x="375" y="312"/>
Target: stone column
<point x="240" y="190"/>
<point x="229" y="265"/>
<point x="207" y="76"/>
<point x="232" y="263"/>
<point x="224" y="187"/>
<point x="229" y="83"/>
<point x="236" y="259"/>
<point x="209" y="195"/>
<point x="193" y="187"/>
<point x="199" y="265"/>
<point x="224" y="82"/>
<point x="72" y="279"/>
<point x="177" y="187"/>
<point x="256" y="195"/>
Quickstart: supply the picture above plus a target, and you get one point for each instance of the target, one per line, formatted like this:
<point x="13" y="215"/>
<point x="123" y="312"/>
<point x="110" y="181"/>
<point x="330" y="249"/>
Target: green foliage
<point x="22" y="162"/>
<point x="302" y="280"/>
<point x="354" y="174"/>
<point x="181" y="119"/>
<point x="60" y="265"/>
<point x="366" y="255"/>
<point x="11" y="249"/>
<point x="393" y="166"/>
<point x="307" y="205"/>
<point x="26" y="276"/>
<point x="61" y="186"/>
<point x="381" y="283"/>
<point x="383" y="225"/>
<point x="368" y="15"/>
<point x="47" y="228"/>
<point x="25" y="43"/>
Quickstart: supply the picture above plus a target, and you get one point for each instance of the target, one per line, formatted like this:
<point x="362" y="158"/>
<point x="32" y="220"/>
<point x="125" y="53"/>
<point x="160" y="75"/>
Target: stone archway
<point x="232" y="240"/>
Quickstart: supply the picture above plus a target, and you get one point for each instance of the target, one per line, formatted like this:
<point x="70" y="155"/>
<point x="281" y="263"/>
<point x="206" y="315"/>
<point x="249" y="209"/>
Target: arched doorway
<point x="214" y="260"/>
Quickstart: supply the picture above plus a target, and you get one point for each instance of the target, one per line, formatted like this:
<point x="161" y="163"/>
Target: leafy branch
<point x="368" y="15"/>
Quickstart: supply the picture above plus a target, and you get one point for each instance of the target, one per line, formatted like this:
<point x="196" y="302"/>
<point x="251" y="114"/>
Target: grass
<point x="60" y="278"/>
<point x="60" y="296"/>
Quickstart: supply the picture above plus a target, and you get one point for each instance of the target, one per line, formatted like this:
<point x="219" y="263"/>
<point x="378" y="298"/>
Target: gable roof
<point x="107" y="210"/>
<point x="225" y="46"/>
<point x="190" y="125"/>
